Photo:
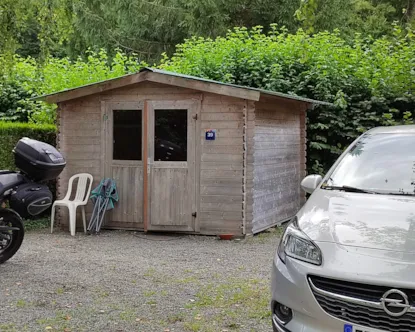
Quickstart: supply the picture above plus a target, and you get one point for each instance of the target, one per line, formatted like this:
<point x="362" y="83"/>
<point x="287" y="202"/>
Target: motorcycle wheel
<point x="10" y="240"/>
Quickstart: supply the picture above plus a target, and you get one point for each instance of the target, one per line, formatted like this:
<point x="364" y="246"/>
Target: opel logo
<point x="395" y="303"/>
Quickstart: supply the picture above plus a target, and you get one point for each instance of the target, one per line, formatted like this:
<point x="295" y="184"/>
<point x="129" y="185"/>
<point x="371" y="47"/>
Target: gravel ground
<point x="126" y="281"/>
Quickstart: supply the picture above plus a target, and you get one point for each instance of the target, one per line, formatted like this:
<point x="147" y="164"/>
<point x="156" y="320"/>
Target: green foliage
<point x="13" y="105"/>
<point x="10" y="133"/>
<point x="35" y="27"/>
<point x="325" y="15"/>
<point x="369" y="17"/>
<point x="39" y="28"/>
<point x="307" y="14"/>
<point x="61" y="28"/>
<point x="23" y="78"/>
<point x="151" y="27"/>
<point x="38" y="223"/>
<point x="371" y="82"/>
<point x="373" y="18"/>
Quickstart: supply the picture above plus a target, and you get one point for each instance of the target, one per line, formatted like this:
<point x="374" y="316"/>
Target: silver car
<point x="346" y="261"/>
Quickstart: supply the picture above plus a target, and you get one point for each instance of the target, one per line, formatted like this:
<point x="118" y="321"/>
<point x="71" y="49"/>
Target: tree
<point x="14" y="17"/>
<point x="320" y="15"/>
<point x="147" y="28"/>
<point x="151" y="27"/>
<point x="250" y="13"/>
<point x="34" y="28"/>
<point x="373" y="17"/>
<point x="369" y="17"/>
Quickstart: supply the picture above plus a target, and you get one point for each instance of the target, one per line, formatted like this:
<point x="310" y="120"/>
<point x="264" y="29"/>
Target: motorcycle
<point x="23" y="193"/>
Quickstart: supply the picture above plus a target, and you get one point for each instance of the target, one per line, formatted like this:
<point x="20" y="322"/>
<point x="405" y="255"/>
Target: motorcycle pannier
<point x="30" y="199"/>
<point x="38" y="160"/>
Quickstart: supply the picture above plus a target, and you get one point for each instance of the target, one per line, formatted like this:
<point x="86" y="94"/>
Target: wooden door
<point x="172" y="165"/>
<point x="123" y="162"/>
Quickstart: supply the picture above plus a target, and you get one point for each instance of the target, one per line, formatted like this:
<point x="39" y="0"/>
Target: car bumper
<point x="290" y="286"/>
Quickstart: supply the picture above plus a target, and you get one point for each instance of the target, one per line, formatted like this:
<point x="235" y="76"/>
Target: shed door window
<point x="127" y="135"/>
<point x="170" y="131"/>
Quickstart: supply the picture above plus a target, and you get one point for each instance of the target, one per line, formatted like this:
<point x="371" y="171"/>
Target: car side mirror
<point x="310" y="183"/>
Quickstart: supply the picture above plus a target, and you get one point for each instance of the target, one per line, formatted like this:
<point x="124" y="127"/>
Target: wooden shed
<point x="188" y="154"/>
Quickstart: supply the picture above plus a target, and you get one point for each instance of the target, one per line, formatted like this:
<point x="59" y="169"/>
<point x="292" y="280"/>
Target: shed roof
<point x="172" y="78"/>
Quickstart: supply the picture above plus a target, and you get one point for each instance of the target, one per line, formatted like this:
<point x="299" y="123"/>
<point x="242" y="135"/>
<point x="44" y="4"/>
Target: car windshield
<point x="380" y="163"/>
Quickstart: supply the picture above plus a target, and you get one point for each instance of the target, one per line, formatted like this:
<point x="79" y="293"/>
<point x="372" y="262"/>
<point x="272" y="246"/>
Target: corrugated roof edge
<point x="170" y="73"/>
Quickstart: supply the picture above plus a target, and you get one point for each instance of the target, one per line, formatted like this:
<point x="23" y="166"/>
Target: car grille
<point x="360" y="304"/>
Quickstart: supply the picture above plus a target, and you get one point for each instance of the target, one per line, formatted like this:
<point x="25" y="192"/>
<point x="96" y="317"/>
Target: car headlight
<point x="296" y="244"/>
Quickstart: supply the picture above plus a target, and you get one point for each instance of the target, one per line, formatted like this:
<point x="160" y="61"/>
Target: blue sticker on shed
<point x="210" y="134"/>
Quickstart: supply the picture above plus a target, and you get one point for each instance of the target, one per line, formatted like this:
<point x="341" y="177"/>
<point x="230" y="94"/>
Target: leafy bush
<point x="26" y="78"/>
<point x="12" y="103"/>
<point x="371" y="82"/>
<point x="10" y="133"/>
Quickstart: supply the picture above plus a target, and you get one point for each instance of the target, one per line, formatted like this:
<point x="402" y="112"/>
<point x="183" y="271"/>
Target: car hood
<point x="385" y="222"/>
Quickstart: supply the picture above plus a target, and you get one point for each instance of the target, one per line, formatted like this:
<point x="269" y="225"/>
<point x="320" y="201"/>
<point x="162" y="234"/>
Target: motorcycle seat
<point x="9" y="179"/>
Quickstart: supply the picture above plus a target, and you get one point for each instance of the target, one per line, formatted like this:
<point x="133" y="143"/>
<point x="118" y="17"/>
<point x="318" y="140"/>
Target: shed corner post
<point x="58" y="189"/>
<point x="303" y="146"/>
<point x="104" y="143"/>
<point x="248" y="141"/>
<point x="146" y="167"/>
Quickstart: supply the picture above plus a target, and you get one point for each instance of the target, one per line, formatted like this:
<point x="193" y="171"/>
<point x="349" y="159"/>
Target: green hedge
<point x="11" y="132"/>
<point x="23" y="78"/>
<point x="370" y="81"/>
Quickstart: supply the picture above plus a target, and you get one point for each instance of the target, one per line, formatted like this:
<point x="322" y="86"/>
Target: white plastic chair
<point x="83" y="191"/>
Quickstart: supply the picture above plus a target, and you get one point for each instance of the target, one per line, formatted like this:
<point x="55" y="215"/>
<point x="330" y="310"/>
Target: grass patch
<point x="60" y="322"/>
<point x="150" y="272"/>
<point x="60" y="291"/>
<point x="220" y="306"/>
<point x="128" y="315"/>
<point x="149" y="293"/>
<point x="175" y="318"/>
<point x="187" y="280"/>
<point x="270" y="233"/>
<point x="21" y="303"/>
<point x="103" y="294"/>
<point x="36" y="224"/>
<point x="196" y="327"/>
<point x="8" y="328"/>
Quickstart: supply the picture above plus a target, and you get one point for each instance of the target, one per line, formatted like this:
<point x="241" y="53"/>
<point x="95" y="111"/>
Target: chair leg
<point x="52" y="218"/>
<point x="84" y="218"/>
<point x="72" y="220"/>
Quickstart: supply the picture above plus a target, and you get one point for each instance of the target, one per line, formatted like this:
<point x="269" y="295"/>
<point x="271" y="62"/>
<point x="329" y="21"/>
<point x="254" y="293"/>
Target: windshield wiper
<point x="400" y="194"/>
<point x="350" y="189"/>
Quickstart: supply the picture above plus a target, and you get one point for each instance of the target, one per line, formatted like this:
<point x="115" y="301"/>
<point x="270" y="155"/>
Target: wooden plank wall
<point x="221" y="178"/>
<point x="279" y="162"/>
<point x="79" y="141"/>
<point x="79" y="137"/>
<point x="221" y="161"/>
